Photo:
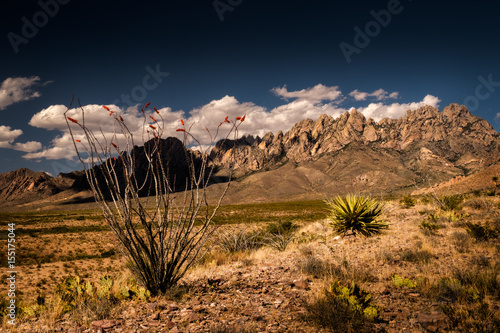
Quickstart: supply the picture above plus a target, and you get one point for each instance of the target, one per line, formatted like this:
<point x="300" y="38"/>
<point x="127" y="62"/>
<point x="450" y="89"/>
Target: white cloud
<point x="28" y="147"/>
<point x="379" y="95"/>
<point x="315" y="94"/>
<point x="98" y="120"/>
<point x="8" y="136"/>
<point x="378" y="111"/>
<point x="307" y="103"/>
<point x="17" y="89"/>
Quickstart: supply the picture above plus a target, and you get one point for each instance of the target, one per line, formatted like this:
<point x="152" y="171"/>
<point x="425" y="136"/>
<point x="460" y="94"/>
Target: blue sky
<point x="276" y="61"/>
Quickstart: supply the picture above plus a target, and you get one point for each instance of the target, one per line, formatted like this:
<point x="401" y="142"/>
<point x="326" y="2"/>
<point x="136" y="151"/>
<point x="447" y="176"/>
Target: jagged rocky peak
<point x="27" y="185"/>
<point x="455" y="110"/>
<point x="450" y="133"/>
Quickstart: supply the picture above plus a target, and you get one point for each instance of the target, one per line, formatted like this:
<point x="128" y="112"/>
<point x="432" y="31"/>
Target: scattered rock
<point x="101" y="326"/>
<point x="301" y="284"/>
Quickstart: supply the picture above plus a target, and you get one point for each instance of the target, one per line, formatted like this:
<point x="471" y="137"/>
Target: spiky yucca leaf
<point x="356" y="213"/>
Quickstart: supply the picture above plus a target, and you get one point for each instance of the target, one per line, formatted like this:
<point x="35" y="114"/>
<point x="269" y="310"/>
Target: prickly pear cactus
<point x="357" y="298"/>
<point x="403" y="282"/>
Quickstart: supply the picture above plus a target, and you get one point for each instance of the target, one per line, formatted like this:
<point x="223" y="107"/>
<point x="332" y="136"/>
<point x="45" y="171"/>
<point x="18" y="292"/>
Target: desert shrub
<point x="107" y="254"/>
<point x="451" y="202"/>
<point x="476" y="193"/>
<point x="342" y="309"/>
<point x="240" y="240"/>
<point x="483" y="261"/>
<point x="481" y="232"/>
<point x="478" y="203"/>
<point x="424" y="286"/>
<point x="416" y="256"/>
<point x="426" y="199"/>
<point x="407" y="201"/>
<point x="341" y="270"/>
<point x="281" y="227"/>
<point x="279" y="241"/>
<point x="357" y="214"/>
<point x="279" y="235"/>
<point x="314" y="266"/>
<point x="461" y="240"/>
<point x="485" y="280"/>
<point x="472" y="317"/>
<point x="429" y="227"/>
<point x="86" y="301"/>
<point x="308" y="237"/>
<point x="385" y="255"/>
<point x="452" y="290"/>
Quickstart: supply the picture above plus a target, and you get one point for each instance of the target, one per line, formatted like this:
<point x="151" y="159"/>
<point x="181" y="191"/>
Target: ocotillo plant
<point x="163" y="240"/>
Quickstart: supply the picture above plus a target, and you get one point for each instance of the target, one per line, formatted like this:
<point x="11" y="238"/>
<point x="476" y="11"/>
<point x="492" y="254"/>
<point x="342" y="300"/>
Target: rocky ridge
<point x="453" y="136"/>
<point x="317" y="159"/>
<point x="27" y="185"/>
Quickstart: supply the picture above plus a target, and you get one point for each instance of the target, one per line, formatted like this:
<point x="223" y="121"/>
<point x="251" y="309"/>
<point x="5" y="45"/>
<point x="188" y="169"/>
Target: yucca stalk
<point x="358" y="214"/>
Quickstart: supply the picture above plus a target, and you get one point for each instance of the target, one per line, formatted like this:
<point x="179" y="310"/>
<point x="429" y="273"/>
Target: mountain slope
<point x="24" y="185"/>
<point x="351" y="153"/>
<point x="317" y="159"/>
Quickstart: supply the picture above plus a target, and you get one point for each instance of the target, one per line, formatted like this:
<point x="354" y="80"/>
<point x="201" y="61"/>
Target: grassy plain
<point x="435" y="268"/>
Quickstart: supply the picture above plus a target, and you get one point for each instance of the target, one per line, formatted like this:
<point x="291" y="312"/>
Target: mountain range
<point x="318" y="159"/>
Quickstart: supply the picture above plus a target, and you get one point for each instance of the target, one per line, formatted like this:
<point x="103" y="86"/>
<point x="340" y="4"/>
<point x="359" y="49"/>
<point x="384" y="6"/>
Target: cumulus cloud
<point x="8" y="136"/>
<point x="378" y="111"/>
<point x="307" y="103"/>
<point x="98" y="120"/>
<point x="379" y="95"/>
<point x="18" y="89"/>
<point x="315" y="94"/>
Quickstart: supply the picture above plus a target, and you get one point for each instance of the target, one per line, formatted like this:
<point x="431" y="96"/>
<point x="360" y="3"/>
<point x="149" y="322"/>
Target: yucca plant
<point x="358" y="214"/>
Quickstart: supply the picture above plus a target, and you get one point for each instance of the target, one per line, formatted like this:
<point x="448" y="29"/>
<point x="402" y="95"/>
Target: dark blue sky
<point x="99" y="50"/>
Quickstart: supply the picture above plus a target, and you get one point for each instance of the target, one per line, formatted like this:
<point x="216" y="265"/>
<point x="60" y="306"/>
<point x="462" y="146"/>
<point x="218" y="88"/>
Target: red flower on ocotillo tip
<point x="238" y="118"/>
<point x="104" y="106"/>
<point x="182" y="122"/>
<point x="152" y="118"/>
<point x="121" y="118"/>
<point x="114" y="145"/>
<point x="142" y="110"/>
<point x="114" y="158"/>
<point x="156" y="110"/>
<point x="111" y="112"/>
<point x="146" y="106"/>
<point x="77" y="140"/>
<point x="243" y="118"/>
<point x="180" y="130"/>
<point x="225" y="120"/>
<point x="73" y="120"/>
<point x="152" y="127"/>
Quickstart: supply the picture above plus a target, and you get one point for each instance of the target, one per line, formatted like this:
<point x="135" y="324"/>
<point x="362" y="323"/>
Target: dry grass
<point x="448" y="266"/>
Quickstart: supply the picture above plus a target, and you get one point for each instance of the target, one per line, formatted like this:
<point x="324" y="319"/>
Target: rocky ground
<point x="263" y="297"/>
<point x="268" y="291"/>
